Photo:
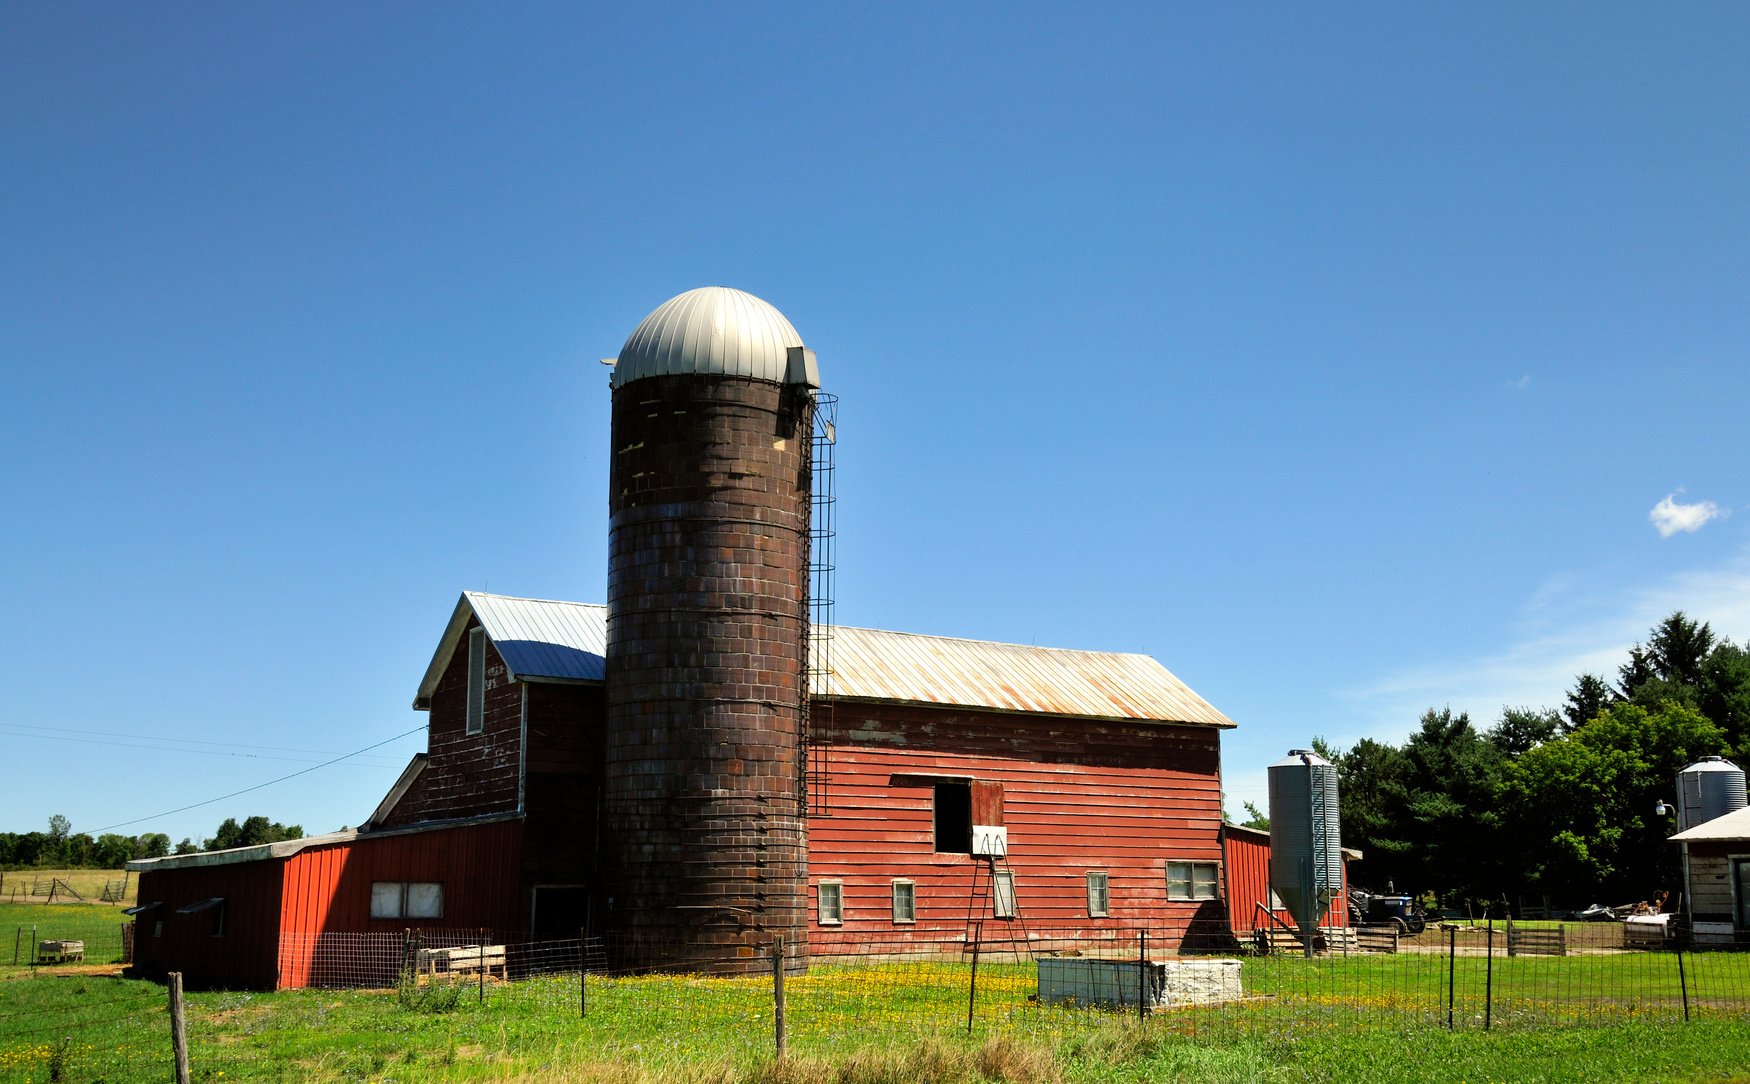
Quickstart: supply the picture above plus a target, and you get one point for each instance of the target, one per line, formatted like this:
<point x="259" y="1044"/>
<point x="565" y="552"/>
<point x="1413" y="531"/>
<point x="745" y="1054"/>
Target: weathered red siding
<point x="468" y="775"/>
<point x="243" y="955"/>
<point x="1077" y="796"/>
<point x="562" y="791"/>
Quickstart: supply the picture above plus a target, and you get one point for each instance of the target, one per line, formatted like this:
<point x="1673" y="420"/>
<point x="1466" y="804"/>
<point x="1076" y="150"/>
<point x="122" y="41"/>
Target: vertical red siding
<point x="243" y="956"/>
<point x="328" y="888"/>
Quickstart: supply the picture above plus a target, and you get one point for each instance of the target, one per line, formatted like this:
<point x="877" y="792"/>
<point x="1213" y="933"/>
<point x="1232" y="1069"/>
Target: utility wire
<point x="54" y="731"/>
<point x="153" y="744"/>
<point x="258" y="786"/>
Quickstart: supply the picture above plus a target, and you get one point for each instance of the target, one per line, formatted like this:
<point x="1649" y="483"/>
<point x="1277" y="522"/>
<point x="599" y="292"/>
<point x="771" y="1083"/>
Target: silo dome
<point x="712" y="330"/>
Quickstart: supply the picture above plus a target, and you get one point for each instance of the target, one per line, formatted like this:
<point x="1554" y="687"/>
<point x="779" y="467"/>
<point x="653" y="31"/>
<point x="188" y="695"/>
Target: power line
<point x="259" y="786"/>
<point x="57" y="730"/>
<point x="165" y="747"/>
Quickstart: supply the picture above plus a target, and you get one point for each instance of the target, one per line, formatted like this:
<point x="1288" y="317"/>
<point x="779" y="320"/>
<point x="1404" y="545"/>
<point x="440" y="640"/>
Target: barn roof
<point x="1731" y="826"/>
<point x="544" y="640"/>
<point x="285" y="848"/>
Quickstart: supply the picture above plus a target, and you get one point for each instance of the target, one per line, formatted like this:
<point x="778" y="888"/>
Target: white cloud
<point x="1521" y="384"/>
<point x="1669" y="517"/>
<point x="1572" y="628"/>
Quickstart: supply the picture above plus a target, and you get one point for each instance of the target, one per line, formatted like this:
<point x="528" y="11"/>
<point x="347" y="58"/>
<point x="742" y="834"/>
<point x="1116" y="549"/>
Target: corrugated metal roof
<point x="713" y="329"/>
<point x="555" y="640"/>
<point x="567" y="641"/>
<point x="869" y="664"/>
<point x="1734" y="825"/>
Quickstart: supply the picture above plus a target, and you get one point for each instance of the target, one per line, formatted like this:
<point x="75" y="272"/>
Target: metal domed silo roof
<point x="712" y="330"/>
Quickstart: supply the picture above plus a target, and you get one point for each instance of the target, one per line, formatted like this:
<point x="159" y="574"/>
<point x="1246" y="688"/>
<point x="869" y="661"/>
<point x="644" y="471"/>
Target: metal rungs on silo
<point x="817" y="707"/>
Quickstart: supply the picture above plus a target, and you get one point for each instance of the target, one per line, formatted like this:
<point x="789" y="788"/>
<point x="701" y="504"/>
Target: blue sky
<point x="1338" y="357"/>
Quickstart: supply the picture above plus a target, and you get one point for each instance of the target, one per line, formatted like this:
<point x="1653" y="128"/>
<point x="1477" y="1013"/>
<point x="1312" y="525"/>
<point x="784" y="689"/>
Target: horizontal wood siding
<point x="243" y="956"/>
<point x="1710" y="880"/>
<point x="1077" y="796"/>
<point x="468" y="775"/>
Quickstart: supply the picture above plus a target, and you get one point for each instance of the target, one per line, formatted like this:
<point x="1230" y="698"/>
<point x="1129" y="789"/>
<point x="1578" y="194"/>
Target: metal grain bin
<point x="1306" y="857"/>
<point x="1709" y="788"/>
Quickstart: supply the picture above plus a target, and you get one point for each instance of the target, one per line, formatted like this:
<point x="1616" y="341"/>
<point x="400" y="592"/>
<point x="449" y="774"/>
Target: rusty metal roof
<point x="543" y="640"/>
<point x="870" y="664"/>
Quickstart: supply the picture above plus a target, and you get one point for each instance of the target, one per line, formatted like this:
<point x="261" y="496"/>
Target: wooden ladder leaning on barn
<point x="994" y="898"/>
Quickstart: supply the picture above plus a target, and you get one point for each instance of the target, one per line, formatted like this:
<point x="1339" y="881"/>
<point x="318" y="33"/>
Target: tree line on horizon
<point x="1556" y="803"/>
<point x="62" y="848"/>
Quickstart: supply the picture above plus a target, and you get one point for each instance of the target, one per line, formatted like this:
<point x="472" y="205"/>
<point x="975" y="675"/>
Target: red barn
<point x="1092" y="779"/>
<point x="690" y="772"/>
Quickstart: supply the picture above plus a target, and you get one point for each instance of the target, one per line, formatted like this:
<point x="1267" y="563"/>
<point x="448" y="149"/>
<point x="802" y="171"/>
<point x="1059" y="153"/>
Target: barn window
<point x="831" y="897"/>
<point x="213" y="908"/>
<point x="476" y="680"/>
<point x="407" y="899"/>
<point x="905" y="902"/>
<point x="1099" y="894"/>
<point x="1191" y="880"/>
<point x="954" y="818"/>
<point x="1002" y="883"/>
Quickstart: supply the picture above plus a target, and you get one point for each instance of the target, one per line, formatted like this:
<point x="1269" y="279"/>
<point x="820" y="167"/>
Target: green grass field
<point x="16" y="885"/>
<point x="1355" y="1021"/>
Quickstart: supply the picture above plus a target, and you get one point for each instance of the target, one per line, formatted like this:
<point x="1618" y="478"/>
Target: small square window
<point x="385" y="899"/>
<point x="1002" y="884"/>
<point x="1099" y="896"/>
<point x="425" y="899"/>
<point x="1192" y="880"/>
<point x="830" y="896"/>
<point x="905" y="901"/>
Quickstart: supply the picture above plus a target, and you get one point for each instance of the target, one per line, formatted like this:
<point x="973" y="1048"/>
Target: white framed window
<point x="830" y="903"/>
<point x="1099" y="894"/>
<point x="476" y="680"/>
<point x="1002" y="900"/>
<point x="905" y="901"/>
<point x="1192" y="880"/>
<point x="407" y="899"/>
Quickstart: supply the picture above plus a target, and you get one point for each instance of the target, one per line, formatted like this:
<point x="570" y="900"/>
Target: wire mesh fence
<point x="857" y="992"/>
<point x="1039" y="982"/>
<point x="66" y="935"/>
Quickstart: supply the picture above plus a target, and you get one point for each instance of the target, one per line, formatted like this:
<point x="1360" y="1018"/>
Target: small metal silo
<point x="1709" y="788"/>
<point x="1306" y="857"/>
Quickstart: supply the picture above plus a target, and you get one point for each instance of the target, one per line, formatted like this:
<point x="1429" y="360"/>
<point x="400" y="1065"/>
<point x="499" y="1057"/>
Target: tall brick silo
<point x="704" y="812"/>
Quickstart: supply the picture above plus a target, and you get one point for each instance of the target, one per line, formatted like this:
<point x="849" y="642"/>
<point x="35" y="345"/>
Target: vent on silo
<point x="1306" y="856"/>
<point x="1709" y="788"/>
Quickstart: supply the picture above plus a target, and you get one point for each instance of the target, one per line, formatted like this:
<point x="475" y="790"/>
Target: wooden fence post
<point x="178" y="1029"/>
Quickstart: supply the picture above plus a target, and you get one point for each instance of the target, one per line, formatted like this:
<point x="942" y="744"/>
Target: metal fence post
<point x="1142" y="975"/>
<point x="1683" y="981"/>
<point x="1451" y="972"/>
<point x="1489" y="982"/>
<point x="582" y="973"/>
<point x="778" y="995"/>
<point x="972" y="986"/>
